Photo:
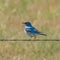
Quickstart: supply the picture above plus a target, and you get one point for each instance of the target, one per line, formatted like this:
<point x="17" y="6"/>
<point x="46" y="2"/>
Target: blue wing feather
<point x="33" y="31"/>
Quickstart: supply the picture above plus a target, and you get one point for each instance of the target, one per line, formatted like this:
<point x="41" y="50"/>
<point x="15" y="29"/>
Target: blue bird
<point x="31" y="30"/>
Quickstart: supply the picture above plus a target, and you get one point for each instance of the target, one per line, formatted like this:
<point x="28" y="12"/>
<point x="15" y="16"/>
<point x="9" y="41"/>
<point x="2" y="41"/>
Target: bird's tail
<point x="43" y="34"/>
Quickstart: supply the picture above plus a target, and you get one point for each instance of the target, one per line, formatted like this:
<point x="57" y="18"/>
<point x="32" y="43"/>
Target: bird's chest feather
<point x="27" y="29"/>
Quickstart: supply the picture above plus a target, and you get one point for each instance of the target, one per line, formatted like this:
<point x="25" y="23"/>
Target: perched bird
<point x="31" y="30"/>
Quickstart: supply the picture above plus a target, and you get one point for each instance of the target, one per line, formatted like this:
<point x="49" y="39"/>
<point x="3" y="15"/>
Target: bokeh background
<point x="41" y="50"/>
<point x="43" y="14"/>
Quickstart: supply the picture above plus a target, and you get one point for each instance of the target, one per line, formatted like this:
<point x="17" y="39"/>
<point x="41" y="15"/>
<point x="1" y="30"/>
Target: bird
<point x="31" y="30"/>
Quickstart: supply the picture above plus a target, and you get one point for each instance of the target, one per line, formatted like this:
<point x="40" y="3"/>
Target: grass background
<point x="44" y="14"/>
<point x="30" y="50"/>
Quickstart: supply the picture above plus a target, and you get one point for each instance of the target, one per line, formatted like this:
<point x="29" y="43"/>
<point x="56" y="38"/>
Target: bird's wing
<point x="35" y="30"/>
<point x="32" y="30"/>
<point x="28" y="29"/>
<point x="38" y="32"/>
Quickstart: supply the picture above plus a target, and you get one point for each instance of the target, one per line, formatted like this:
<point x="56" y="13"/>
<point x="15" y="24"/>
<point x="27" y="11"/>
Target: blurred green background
<point x="43" y="14"/>
<point x="30" y="50"/>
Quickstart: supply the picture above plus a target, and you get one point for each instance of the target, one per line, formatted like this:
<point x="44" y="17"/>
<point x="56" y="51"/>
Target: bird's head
<point x="27" y="23"/>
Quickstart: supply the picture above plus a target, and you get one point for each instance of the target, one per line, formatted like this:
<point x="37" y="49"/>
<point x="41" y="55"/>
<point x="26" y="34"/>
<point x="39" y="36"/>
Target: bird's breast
<point x="25" y="31"/>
